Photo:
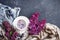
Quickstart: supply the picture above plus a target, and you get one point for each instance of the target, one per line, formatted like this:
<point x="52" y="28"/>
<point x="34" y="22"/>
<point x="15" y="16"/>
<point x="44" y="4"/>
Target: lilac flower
<point x="14" y="36"/>
<point x="35" y="25"/>
<point x="9" y="31"/>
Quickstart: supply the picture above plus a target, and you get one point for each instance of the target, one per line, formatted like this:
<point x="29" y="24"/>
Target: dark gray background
<point x="49" y="9"/>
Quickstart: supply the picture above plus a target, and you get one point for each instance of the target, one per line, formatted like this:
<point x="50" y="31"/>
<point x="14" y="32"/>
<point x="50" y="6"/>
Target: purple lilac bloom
<point x="35" y="25"/>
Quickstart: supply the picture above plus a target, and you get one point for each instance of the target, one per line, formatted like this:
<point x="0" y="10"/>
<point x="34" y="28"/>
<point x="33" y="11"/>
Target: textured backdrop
<point x="49" y="9"/>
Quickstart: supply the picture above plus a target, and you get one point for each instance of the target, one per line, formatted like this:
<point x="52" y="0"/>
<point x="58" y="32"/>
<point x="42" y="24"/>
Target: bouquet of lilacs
<point x="15" y="27"/>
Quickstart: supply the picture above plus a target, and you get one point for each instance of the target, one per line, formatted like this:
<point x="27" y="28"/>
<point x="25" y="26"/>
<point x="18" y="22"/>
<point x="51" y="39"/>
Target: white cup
<point x="21" y="24"/>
